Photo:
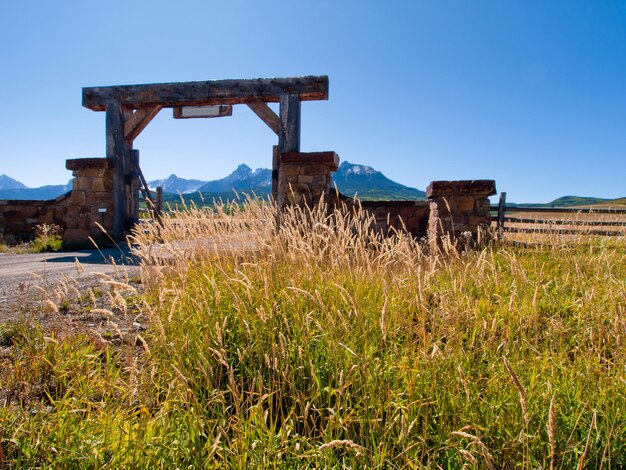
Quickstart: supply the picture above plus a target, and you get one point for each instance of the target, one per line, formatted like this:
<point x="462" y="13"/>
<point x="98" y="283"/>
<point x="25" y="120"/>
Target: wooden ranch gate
<point x="601" y="221"/>
<point x="130" y="108"/>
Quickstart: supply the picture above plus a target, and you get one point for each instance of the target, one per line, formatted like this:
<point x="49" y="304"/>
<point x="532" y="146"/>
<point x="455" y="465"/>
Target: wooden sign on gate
<point x="188" y="112"/>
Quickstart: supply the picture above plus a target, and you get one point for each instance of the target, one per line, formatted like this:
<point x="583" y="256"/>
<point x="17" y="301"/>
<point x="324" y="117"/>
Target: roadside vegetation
<point x="46" y="238"/>
<point x="323" y="344"/>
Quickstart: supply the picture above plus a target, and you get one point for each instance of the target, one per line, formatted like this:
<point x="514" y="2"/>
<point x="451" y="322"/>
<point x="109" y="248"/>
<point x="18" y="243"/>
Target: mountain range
<point x="243" y="179"/>
<point x="350" y="179"/>
<point x="13" y="189"/>
<point x="10" y="183"/>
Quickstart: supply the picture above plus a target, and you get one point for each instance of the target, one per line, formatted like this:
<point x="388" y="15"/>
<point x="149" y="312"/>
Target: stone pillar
<point x="91" y="201"/>
<point x="460" y="210"/>
<point x="304" y="177"/>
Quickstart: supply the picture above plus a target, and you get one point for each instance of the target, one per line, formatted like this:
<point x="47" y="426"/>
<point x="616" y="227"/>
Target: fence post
<point x="501" y="211"/>
<point x="159" y="202"/>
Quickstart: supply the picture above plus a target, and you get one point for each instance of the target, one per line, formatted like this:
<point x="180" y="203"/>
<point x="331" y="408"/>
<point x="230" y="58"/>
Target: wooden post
<point x="134" y="186"/>
<point x="288" y="137"/>
<point x="128" y="170"/>
<point x="159" y="202"/>
<point x="501" y="211"/>
<point x="275" y="164"/>
<point x="115" y="151"/>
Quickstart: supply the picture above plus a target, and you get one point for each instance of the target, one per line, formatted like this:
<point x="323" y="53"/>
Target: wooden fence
<point x="602" y="221"/>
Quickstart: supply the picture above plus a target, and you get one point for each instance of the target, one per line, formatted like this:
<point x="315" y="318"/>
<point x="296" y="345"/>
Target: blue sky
<point x="529" y="93"/>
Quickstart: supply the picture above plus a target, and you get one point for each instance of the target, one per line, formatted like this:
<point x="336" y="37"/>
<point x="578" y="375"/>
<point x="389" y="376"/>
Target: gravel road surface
<point x="27" y="277"/>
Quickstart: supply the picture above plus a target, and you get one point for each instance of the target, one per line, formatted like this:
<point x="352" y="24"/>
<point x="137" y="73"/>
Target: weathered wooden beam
<point x="115" y="150"/>
<point x="139" y="120"/>
<point x="127" y="113"/>
<point x="573" y="222"/>
<point x="288" y="141"/>
<point x="209" y="92"/>
<point x="566" y="210"/>
<point x="501" y="210"/>
<point x="275" y="165"/>
<point x="554" y="231"/>
<point x="267" y="115"/>
<point x="289" y="135"/>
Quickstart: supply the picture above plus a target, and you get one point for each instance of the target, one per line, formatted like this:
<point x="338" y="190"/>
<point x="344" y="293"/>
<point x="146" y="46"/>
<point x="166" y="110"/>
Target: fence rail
<point x="559" y="226"/>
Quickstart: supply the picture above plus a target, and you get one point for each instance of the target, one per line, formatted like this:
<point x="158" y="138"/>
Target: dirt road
<point x="24" y="277"/>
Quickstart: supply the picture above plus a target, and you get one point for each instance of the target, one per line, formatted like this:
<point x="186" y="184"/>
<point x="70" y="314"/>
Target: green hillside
<point x="573" y="201"/>
<point x="207" y="199"/>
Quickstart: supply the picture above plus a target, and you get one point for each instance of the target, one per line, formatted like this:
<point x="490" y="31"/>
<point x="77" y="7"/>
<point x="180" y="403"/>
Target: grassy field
<point x="325" y="345"/>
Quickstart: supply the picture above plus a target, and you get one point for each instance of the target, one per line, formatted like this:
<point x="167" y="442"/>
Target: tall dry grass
<point x="321" y="343"/>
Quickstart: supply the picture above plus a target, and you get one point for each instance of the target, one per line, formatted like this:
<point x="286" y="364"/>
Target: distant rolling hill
<point x="575" y="201"/>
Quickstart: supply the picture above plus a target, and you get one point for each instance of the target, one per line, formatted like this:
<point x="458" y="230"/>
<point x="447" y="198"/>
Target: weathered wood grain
<point x="115" y="150"/>
<point x="207" y="92"/>
<point x="139" y="120"/>
<point x="587" y="223"/>
<point x="267" y="115"/>
<point x="565" y="210"/>
<point x="289" y="135"/>
<point x="553" y="231"/>
<point x="501" y="210"/>
<point x="275" y="165"/>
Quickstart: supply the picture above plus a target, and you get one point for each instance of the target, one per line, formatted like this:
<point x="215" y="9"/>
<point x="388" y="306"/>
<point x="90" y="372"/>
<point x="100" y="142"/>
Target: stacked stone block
<point x="91" y="201"/>
<point x="391" y="216"/>
<point x="18" y="218"/>
<point x="459" y="209"/>
<point x="303" y="178"/>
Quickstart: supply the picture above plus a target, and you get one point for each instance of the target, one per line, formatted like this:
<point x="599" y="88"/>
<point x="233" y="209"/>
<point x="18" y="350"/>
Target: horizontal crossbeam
<point x="212" y="92"/>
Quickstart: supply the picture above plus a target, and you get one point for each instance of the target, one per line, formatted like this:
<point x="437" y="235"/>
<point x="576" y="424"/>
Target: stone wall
<point x="89" y="202"/>
<point x="411" y="216"/>
<point x="389" y="216"/>
<point x="455" y="209"/>
<point x="460" y="209"/>
<point x="303" y="178"/>
<point x="18" y="218"/>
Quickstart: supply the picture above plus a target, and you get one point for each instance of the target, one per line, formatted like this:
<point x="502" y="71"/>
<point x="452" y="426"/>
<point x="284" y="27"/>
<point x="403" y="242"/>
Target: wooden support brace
<point x="139" y="120"/>
<point x="267" y="115"/>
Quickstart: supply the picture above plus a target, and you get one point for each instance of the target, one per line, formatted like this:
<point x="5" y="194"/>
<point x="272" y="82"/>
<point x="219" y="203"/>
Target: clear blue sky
<point x="529" y="93"/>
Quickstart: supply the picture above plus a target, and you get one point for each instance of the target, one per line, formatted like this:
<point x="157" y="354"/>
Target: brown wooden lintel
<point x="211" y="92"/>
